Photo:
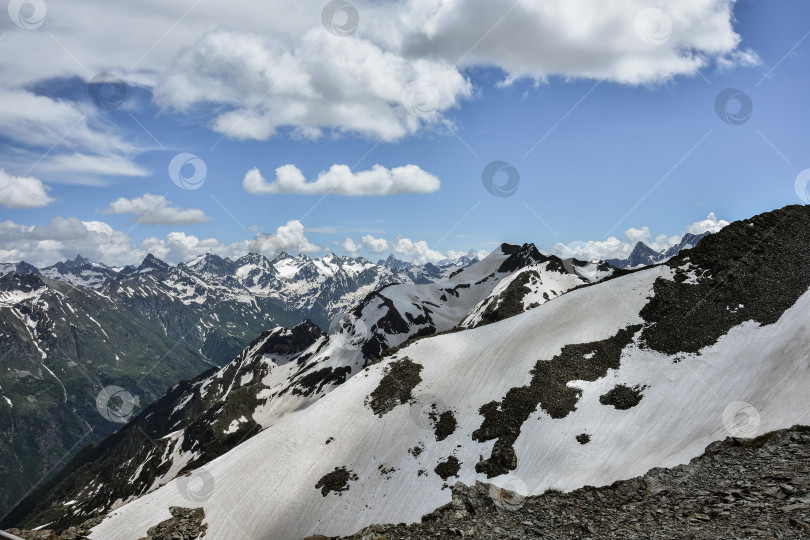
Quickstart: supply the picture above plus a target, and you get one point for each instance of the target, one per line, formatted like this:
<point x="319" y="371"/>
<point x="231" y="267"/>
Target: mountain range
<point x="522" y="369"/>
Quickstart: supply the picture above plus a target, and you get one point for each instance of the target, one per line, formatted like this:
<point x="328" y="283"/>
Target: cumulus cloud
<point x="418" y="252"/>
<point x="289" y="237"/>
<point x="341" y="180"/>
<point x="613" y="248"/>
<point x="710" y="224"/>
<point x="156" y="210"/>
<point x="375" y="245"/>
<point x="350" y="246"/>
<point x="23" y="191"/>
<point x="317" y="82"/>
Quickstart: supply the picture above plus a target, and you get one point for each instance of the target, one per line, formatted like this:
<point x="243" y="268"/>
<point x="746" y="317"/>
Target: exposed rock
<point x="622" y="397"/>
<point x="548" y="389"/>
<point x="583" y="438"/>
<point x="337" y="481"/>
<point x="448" y="468"/>
<point x="185" y="524"/>
<point x="395" y="387"/>
<point x="72" y="533"/>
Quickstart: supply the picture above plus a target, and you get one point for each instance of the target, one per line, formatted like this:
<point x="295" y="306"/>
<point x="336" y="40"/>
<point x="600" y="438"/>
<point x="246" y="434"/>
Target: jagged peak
<point x="150" y="261"/>
<point x="521" y="256"/>
<point x="280" y="257"/>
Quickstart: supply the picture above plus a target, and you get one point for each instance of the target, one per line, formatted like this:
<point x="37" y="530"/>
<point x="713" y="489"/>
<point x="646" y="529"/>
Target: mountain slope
<point x="282" y="371"/>
<point x="650" y="382"/>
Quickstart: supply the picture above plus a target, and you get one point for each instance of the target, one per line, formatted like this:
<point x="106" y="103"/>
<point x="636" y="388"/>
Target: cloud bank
<point x="341" y="180"/>
<point x="156" y="210"/>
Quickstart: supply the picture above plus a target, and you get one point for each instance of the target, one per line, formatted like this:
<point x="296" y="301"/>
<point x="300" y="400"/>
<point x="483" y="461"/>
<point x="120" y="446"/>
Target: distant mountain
<point x="306" y="433"/>
<point x="644" y="255"/>
<point x="19" y="268"/>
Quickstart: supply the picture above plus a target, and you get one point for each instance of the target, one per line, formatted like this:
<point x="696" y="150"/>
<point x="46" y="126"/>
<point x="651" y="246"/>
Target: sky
<point x="421" y="128"/>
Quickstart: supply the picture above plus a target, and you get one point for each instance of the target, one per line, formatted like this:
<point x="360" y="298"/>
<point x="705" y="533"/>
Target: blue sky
<point x="601" y="145"/>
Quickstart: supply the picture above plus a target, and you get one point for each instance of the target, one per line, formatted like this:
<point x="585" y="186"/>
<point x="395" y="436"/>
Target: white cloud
<point x="587" y="38"/>
<point x="315" y="82"/>
<point x="23" y="191"/>
<point x="289" y="237"/>
<point x="613" y="248"/>
<point x="417" y="252"/>
<point x="341" y="180"/>
<point x="711" y="224"/>
<point x="746" y="58"/>
<point x="156" y="210"/>
<point x="79" y="164"/>
<point x="637" y="235"/>
<point x="375" y="245"/>
<point x="350" y="246"/>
